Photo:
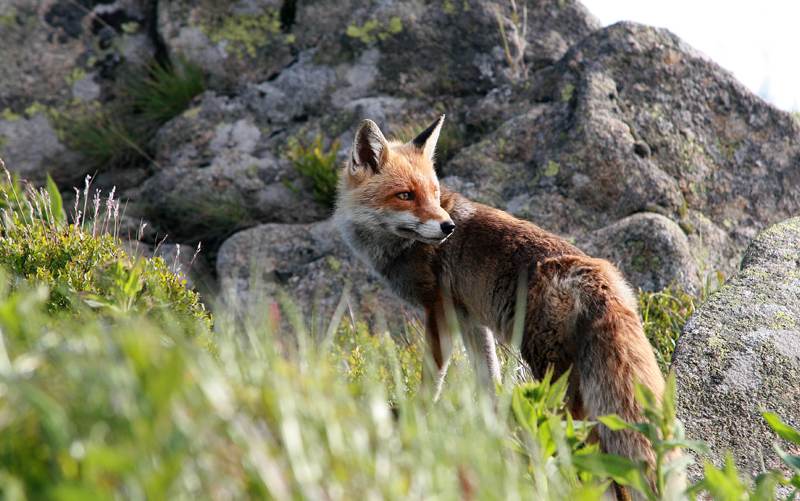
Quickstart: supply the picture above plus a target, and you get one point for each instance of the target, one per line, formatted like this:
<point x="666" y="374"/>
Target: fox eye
<point x="405" y="195"/>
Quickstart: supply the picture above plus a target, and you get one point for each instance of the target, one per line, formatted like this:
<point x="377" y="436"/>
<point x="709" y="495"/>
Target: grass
<point x="102" y="402"/>
<point x="664" y="314"/>
<point x="118" y="135"/>
<point x="166" y="90"/>
<point x="105" y="139"/>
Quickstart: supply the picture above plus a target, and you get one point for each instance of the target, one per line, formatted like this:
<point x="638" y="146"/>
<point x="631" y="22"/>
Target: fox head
<point x="391" y="187"/>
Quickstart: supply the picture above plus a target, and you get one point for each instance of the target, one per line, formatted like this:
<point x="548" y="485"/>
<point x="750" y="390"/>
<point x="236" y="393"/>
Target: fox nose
<point x="448" y="227"/>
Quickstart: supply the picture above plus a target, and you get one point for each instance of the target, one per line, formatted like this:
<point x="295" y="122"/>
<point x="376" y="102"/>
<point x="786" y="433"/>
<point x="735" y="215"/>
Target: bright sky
<point x="758" y="41"/>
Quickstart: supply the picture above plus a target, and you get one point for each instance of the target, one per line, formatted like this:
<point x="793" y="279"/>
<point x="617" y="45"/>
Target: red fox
<point x="437" y="250"/>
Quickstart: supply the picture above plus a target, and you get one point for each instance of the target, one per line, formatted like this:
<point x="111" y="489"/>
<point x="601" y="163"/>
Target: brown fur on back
<point x="580" y="313"/>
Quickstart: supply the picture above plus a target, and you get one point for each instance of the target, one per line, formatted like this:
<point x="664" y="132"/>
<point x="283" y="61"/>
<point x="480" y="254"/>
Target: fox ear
<point x="426" y="141"/>
<point x="369" y="147"/>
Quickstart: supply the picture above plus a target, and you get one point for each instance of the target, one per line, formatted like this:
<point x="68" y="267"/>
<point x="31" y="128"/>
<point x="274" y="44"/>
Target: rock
<point x="49" y="156"/>
<point x="740" y="352"/>
<point x="219" y="175"/>
<point x="60" y="58"/>
<point x="236" y="190"/>
<point x="294" y="91"/>
<point x="233" y="42"/>
<point x="718" y="159"/>
<point x="651" y="248"/>
<point x="49" y="47"/>
<point x="455" y="47"/>
<point x="311" y="263"/>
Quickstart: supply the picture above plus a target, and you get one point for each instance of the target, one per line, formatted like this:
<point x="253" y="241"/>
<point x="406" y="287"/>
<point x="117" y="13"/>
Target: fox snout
<point x="448" y="227"/>
<point x="430" y="232"/>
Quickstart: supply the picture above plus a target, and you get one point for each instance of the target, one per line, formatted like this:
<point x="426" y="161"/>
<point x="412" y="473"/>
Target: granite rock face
<point x="619" y="139"/>
<point x="630" y="120"/>
<point x="49" y="155"/>
<point x="56" y="51"/>
<point x="740" y="352"/>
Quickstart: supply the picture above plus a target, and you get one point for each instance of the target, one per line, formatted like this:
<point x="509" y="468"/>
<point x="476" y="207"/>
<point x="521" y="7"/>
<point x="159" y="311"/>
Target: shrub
<point x="319" y="167"/>
<point x="84" y="263"/>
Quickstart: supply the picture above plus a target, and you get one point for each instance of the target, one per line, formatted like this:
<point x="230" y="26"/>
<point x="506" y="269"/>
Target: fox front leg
<point x="479" y="341"/>
<point x="440" y="348"/>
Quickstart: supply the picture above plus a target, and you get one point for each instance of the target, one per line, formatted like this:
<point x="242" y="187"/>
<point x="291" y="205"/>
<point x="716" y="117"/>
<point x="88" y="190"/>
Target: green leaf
<point x="765" y="486"/>
<point x="668" y="402"/>
<point x="557" y="391"/>
<point x="791" y="460"/>
<point x="56" y="203"/>
<point x="678" y="466"/>
<point x="723" y="484"/>
<point x="54" y="418"/>
<point x="616" y="423"/>
<point x="109" y="460"/>
<point x="646" y="397"/>
<point x="621" y="470"/>
<point x="781" y="428"/>
<point x="75" y="492"/>
<point x="590" y="492"/>
<point x="695" y="445"/>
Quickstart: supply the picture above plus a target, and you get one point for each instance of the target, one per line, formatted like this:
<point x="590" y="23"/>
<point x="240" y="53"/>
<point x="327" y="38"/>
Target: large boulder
<point x="215" y="174"/>
<point x="456" y="48"/>
<point x="740" y="353"/>
<point x="423" y="48"/>
<point x="634" y="120"/>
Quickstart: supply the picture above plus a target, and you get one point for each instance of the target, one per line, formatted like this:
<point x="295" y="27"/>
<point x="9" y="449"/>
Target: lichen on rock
<point x="740" y="353"/>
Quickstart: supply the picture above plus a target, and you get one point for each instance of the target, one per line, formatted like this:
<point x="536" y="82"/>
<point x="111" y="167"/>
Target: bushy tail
<point x="612" y="353"/>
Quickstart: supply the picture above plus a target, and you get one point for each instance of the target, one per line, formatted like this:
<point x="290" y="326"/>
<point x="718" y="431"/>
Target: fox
<point x="440" y="252"/>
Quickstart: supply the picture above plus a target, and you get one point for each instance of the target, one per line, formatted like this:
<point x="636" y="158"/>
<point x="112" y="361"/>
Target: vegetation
<point x="103" y="395"/>
<point x="515" y="41"/>
<point x="319" y="167"/>
<point x="664" y="314"/>
<point x="165" y="91"/>
<point x="84" y="264"/>
<point x="119" y="134"/>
